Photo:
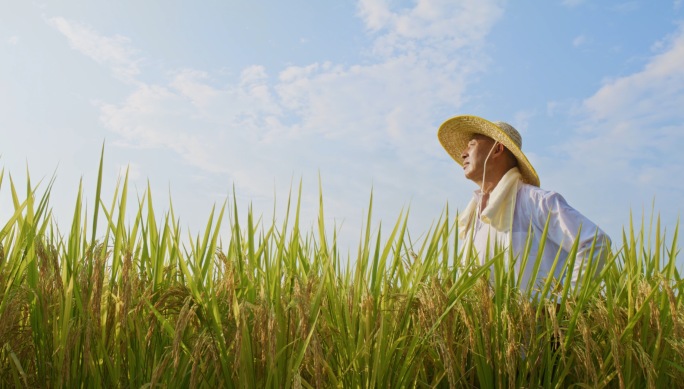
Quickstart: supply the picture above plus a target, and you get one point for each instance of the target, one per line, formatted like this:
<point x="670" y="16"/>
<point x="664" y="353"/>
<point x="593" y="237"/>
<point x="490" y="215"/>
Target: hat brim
<point x="455" y="133"/>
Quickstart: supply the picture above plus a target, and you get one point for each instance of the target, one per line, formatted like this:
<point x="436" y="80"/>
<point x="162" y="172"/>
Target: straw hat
<point x="455" y="133"/>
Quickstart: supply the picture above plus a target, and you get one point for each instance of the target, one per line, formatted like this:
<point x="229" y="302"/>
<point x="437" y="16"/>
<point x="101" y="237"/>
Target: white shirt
<point x="533" y="206"/>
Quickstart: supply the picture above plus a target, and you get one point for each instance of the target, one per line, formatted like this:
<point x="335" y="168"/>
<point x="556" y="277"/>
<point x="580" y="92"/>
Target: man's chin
<point x="470" y="176"/>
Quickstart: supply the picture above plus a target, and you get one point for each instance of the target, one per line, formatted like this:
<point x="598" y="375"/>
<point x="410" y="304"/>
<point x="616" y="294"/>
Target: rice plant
<point x="139" y="304"/>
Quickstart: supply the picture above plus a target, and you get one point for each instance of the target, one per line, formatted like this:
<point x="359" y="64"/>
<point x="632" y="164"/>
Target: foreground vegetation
<point x="141" y="305"/>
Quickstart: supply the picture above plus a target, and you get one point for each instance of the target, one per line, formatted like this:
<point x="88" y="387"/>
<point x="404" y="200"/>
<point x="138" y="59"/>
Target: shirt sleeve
<point x="566" y="225"/>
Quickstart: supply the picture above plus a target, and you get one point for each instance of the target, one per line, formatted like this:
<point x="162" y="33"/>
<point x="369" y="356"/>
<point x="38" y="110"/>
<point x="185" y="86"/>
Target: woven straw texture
<point x="455" y="133"/>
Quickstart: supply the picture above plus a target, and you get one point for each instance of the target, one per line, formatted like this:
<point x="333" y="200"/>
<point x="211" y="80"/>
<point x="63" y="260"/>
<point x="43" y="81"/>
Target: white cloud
<point x="658" y="85"/>
<point x="334" y="101"/>
<point x="114" y="52"/>
<point x="375" y="13"/>
<point x="627" y="144"/>
<point x="421" y="69"/>
<point x="13" y="40"/>
<point x="439" y="25"/>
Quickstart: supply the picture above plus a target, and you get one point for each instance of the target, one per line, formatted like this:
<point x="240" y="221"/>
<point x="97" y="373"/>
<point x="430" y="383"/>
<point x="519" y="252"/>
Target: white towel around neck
<point x="500" y="208"/>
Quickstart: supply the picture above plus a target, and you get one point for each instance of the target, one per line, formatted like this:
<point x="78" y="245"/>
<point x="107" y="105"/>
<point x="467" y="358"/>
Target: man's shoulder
<point x="538" y="195"/>
<point x="534" y="191"/>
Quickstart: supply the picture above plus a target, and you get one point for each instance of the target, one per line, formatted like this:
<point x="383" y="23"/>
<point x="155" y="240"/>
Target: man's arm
<point x="566" y="225"/>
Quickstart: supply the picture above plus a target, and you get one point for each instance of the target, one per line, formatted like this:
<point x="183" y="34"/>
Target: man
<point x="510" y="210"/>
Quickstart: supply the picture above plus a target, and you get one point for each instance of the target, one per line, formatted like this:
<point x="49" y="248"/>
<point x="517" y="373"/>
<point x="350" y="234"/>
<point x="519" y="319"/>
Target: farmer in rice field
<point x="509" y="208"/>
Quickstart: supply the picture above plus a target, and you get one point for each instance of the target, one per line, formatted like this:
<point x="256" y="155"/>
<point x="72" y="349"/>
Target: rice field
<point x="138" y="304"/>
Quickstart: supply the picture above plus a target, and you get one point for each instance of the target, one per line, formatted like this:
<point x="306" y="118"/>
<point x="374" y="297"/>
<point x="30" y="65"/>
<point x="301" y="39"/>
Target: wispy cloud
<point x="13" y="40"/>
<point x="114" y="52"/>
<point x="659" y="84"/>
<point x="439" y="25"/>
<point x="375" y="13"/>
<point x="332" y="101"/>
<point x="322" y="115"/>
<point x="630" y="130"/>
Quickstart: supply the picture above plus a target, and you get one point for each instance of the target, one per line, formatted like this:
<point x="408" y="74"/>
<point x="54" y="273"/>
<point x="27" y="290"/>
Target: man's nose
<point x="464" y="153"/>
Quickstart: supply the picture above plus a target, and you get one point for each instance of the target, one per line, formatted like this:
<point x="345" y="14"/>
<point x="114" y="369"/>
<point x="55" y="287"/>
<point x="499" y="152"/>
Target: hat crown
<point x="511" y="132"/>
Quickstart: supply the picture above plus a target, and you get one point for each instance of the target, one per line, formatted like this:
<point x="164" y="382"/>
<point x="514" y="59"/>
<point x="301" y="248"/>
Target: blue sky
<point x="198" y="97"/>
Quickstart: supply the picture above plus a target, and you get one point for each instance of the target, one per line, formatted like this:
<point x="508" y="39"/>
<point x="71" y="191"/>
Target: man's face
<point x="474" y="156"/>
